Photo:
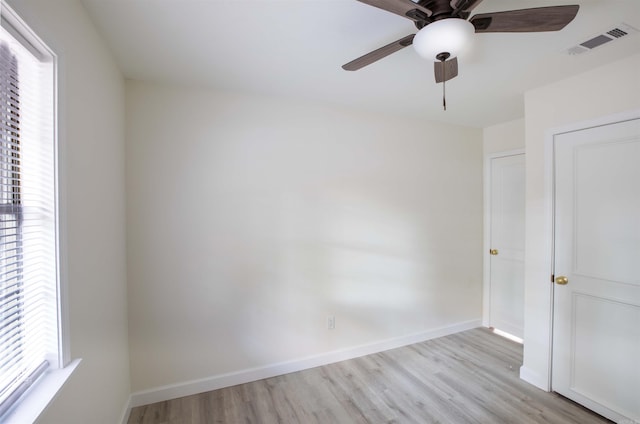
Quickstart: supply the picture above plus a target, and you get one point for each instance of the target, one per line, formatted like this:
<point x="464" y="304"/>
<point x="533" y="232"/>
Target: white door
<point x="596" y="330"/>
<point x="506" y="234"/>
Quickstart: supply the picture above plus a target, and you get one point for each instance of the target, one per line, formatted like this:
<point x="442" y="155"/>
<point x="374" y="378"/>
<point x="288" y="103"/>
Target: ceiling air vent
<point x="605" y="37"/>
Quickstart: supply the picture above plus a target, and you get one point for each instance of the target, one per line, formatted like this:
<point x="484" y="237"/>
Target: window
<point x="29" y="300"/>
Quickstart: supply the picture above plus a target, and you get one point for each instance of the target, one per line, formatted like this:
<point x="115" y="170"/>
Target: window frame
<point x="33" y="402"/>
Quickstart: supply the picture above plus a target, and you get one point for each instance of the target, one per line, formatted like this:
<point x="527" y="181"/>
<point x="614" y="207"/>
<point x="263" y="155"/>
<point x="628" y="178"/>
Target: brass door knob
<point x="494" y="252"/>
<point x="562" y="280"/>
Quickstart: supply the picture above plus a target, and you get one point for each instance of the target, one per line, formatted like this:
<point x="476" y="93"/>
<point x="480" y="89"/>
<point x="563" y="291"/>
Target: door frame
<point x="486" y="258"/>
<point x="544" y="381"/>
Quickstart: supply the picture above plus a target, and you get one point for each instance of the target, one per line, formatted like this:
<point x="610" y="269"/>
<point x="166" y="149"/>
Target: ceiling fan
<point x="444" y="29"/>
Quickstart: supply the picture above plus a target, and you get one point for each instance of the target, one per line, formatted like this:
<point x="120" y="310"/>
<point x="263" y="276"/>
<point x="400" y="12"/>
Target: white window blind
<point x="28" y="256"/>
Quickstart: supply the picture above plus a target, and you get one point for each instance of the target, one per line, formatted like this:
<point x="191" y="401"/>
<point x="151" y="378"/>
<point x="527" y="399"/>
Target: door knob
<point x="562" y="280"/>
<point x="494" y="252"/>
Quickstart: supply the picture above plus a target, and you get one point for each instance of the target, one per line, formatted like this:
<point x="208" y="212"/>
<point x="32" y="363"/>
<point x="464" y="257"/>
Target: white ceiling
<point x="295" y="48"/>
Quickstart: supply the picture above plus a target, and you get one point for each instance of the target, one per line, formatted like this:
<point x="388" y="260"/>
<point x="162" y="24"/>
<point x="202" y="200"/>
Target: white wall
<point x="251" y="219"/>
<point x="503" y="137"/>
<point x="610" y="89"/>
<point x="91" y="99"/>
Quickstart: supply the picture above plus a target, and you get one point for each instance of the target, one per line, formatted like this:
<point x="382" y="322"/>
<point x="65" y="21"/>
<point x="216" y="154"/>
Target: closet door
<point x="506" y="234"/>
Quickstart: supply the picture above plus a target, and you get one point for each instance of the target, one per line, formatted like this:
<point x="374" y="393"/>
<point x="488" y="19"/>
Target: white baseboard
<point x="160" y="394"/>
<point x="126" y="411"/>
<point x="534" y="378"/>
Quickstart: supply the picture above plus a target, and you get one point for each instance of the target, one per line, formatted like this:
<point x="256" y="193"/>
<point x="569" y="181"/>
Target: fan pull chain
<point x="442" y="57"/>
<point x="444" y="98"/>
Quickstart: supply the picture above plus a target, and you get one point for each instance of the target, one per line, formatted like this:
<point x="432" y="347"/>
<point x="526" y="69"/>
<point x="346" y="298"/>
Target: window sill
<point x="29" y="407"/>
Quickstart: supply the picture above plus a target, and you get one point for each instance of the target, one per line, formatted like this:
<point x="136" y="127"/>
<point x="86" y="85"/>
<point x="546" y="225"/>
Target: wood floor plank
<point x="469" y="377"/>
<point x="355" y="392"/>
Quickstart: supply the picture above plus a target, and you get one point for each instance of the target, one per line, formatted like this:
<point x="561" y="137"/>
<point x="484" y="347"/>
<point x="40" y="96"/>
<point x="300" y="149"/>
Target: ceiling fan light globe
<point x="451" y="35"/>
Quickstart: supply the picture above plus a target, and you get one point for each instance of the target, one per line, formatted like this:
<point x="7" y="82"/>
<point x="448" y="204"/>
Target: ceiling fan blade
<point x="405" y="8"/>
<point x="539" y="19"/>
<point x="444" y="71"/>
<point x="378" y="54"/>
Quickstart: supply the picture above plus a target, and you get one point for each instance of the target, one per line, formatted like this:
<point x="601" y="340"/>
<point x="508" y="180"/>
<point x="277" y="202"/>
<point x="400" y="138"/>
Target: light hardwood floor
<point x="469" y="377"/>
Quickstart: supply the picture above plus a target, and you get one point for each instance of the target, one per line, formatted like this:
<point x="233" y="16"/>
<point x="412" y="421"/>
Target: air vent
<point x="605" y="37"/>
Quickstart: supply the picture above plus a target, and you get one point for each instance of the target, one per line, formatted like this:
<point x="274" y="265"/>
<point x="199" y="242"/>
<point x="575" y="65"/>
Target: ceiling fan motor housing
<point x="441" y="9"/>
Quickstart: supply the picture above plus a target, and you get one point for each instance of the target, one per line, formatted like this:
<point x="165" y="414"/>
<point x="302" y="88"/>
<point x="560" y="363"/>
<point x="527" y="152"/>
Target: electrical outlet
<point x="331" y="322"/>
